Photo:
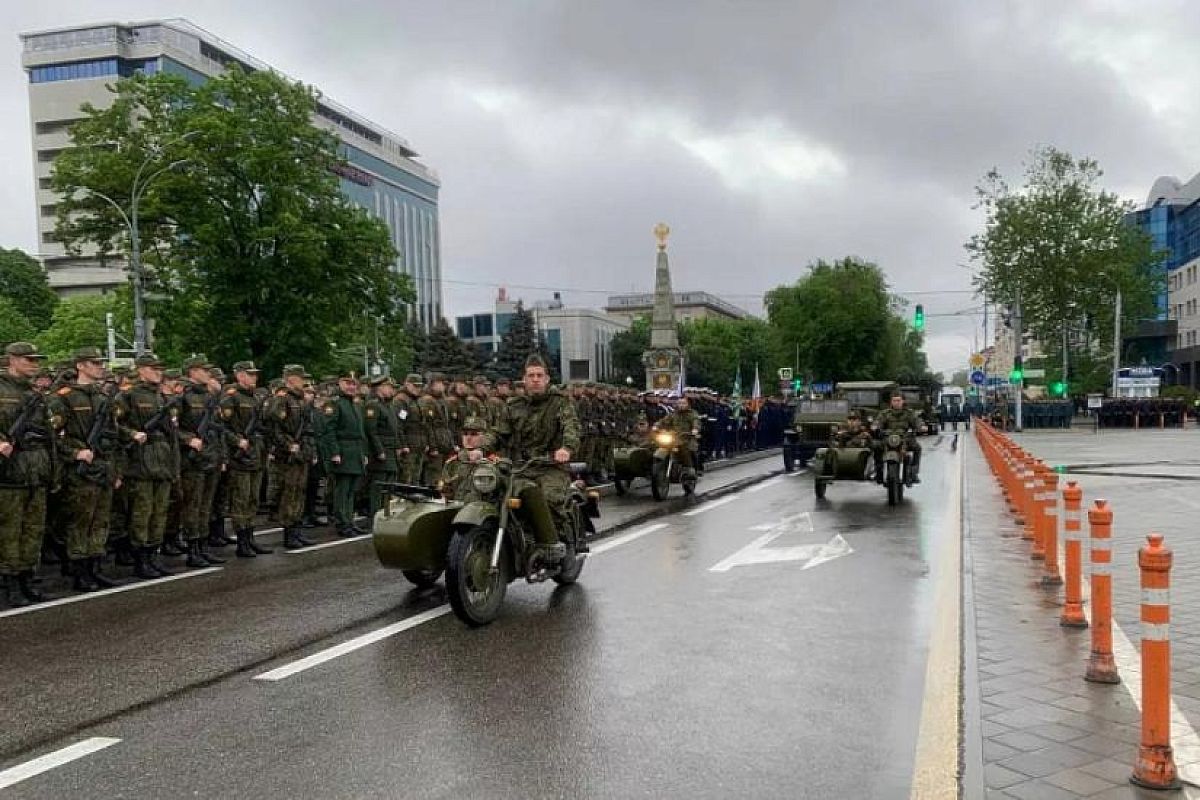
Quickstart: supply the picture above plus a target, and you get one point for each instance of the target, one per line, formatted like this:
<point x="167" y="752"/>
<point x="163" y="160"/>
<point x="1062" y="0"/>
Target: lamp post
<point x="141" y="182"/>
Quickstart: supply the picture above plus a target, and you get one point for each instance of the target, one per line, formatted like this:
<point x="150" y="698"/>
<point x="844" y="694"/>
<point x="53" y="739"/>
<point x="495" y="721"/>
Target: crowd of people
<point x="135" y="466"/>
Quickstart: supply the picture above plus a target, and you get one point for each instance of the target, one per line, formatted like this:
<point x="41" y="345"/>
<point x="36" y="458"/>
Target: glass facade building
<point x="71" y="66"/>
<point x="1171" y="217"/>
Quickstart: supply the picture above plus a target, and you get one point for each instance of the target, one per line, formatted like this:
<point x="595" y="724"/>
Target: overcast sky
<point x="767" y="134"/>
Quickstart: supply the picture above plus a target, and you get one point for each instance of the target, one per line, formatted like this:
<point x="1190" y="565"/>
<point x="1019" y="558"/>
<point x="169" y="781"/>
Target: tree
<point x="445" y="352"/>
<point x="627" y="348"/>
<point x="80" y="321"/>
<point x="14" y="326"/>
<point x="252" y="249"/>
<point x="1065" y="247"/>
<point x="24" y="282"/>
<point x="520" y="341"/>
<point x="717" y="347"/>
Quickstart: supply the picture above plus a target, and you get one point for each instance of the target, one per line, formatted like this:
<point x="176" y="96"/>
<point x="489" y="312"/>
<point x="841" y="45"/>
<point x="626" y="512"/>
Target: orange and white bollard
<point x="1155" y="766"/>
<point x="1072" y="613"/>
<point x="1050" y="573"/>
<point x="1025" y="505"/>
<point x="1038" y="512"/>
<point x="1101" y="666"/>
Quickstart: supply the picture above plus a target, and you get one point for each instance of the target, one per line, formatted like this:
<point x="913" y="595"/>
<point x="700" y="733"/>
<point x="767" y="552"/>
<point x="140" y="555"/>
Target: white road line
<point x="335" y="543"/>
<point x="712" y="505"/>
<point x="79" y="598"/>
<point x="353" y="644"/>
<point x="45" y="763"/>
<point x="765" y="484"/>
<point x="626" y="538"/>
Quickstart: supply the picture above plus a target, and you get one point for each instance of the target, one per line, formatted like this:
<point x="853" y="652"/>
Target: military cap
<point x="45" y="372"/>
<point x="294" y="369"/>
<point x="87" y="354"/>
<point x="217" y="372"/>
<point x="382" y="379"/>
<point x="246" y="366"/>
<point x="198" y="361"/>
<point x="503" y="382"/>
<point x="536" y="360"/>
<point x="414" y="379"/>
<point x="22" y="350"/>
<point x="172" y="375"/>
<point x="481" y="379"/>
<point x="275" y="385"/>
<point x="348" y="375"/>
<point x="434" y="377"/>
<point x="474" y="424"/>
<point x="148" y="360"/>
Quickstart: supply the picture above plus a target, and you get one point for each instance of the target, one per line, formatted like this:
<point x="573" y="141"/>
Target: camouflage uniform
<point x="437" y="431"/>
<point x="200" y="470"/>
<point x="289" y="439"/>
<point x="413" y="437"/>
<point x="241" y="413"/>
<point x="383" y="445"/>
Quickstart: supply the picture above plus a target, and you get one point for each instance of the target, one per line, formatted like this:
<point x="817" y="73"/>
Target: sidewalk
<point x="1033" y="728"/>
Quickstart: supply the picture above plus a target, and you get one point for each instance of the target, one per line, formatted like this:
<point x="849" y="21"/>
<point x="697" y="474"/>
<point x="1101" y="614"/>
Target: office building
<point x="689" y="306"/>
<point x="67" y="67"/>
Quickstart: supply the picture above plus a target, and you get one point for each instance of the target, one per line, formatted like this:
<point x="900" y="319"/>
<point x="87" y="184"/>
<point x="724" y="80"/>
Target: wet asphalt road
<point x="795" y="669"/>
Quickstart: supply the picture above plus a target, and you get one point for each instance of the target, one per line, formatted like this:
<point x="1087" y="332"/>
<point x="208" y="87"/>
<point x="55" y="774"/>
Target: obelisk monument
<point x="664" y="359"/>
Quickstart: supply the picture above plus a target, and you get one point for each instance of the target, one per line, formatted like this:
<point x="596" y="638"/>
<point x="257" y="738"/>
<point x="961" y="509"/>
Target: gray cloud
<point x="768" y="134"/>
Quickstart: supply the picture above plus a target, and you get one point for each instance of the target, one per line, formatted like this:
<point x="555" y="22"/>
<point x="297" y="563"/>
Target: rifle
<point x="208" y="421"/>
<point x="158" y="422"/>
<point x="96" y="433"/>
<point x="23" y="425"/>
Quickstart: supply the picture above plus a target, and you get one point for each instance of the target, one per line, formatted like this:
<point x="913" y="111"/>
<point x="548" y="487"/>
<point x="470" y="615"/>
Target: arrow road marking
<point x="758" y="552"/>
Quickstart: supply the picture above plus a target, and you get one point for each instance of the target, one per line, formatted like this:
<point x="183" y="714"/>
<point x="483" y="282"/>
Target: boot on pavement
<point x="195" y="558"/>
<point x="12" y="595"/>
<point x="99" y="578"/>
<point x="174" y="546"/>
<point x="207" y="556"/>
<point x="26" y="587"/>
<point x="83" y="575"/>
<point x="141" y="567"/>
<point x="255" y="546"/>
<point x="290" y="540"/>
<point x="156" y="565"/>
<point x="298" y="534"/>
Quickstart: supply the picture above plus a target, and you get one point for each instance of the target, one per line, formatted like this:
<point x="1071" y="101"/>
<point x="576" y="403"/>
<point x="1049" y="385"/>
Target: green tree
<point x="445" y="352"/>
<point x="24" y="282"/>
<point x="717" y="347"/>
<point x="1063" y="244"/>
<point x="627" y="348"/>
<point x="520" y="341"/>
<point x="251" y="248"/>
<point x="14" y="326"/>
<point x="80" y="322"/>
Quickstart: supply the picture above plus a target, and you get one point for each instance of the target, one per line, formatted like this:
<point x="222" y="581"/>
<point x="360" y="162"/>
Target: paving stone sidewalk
<point x="1035" y="728"/>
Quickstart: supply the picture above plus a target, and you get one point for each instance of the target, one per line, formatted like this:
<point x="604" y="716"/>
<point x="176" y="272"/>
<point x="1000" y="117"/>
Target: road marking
<point x="765" y="484"/>
<point x="626" y="538"/>
<point x="350" y="646"/>
<point x="79" y="598"/>
<point x="318" y="658"/>
<point x="334" y="543"/>
<point x="710" y="506"/>
<point x="789" y="523"/>
<point x="935" y="768"/>
<point x="757" y="552"/>
<point x="37" y="766"/>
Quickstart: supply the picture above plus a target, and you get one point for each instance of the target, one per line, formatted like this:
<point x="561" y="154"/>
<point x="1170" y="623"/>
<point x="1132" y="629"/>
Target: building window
<point x="49" y="211"/>
<point x="48" y="237"/>
<point x="580" y="369"/>
<point x="45" y="183"/>
<point x="466" y="327"/>
<point x="483" y="324"/>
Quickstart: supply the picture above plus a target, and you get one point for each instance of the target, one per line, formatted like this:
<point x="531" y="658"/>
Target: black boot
<point x="290" y="541"/>
<point x="156" y="565"/>
<point x="12" y="595"/>
<point x="244" y="550"/>
<point x="174" y="546"/>
<point x="141" y="567"/>
<point x="255" y="546"/>
<point x="94" y="563"/>
<point x="299" y="536"/>
<point x="26" y="587"/>
<point x="123" y="553"/>
<point x="216" y="533"/>
<point x="83" y="578"/>
<point x="195" y="558"/>
<point x="207" y="556"/>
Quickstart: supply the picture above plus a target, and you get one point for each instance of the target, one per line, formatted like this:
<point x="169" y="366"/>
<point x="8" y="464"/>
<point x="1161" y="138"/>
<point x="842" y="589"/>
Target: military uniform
<point x="901" y="421"/>
<point x="241" y="414"/>
<point x="200" y="468"/>
<point x="455" y="482"/>
<point x="344" y="439"/>
<point x="25" y="476"/>
<point x="439" y="438"/>
<point x="383" y="430"/>
<point x="289" y="439"/>
<point x="413" y="436"/>
<point x="686" y="425"/>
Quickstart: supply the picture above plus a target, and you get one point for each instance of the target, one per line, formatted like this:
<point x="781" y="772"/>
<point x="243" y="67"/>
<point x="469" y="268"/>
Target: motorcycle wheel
<point x="572" y="564"/>
<point x="893" y="483"/>
<point x="819" y="487"/>
<point x="422" y="578"/>
<point x="689" y="486"/>
<point x="789" y="459"/>
<point x="475" y="594"/>
<point x="620" y="486"/>
<point x="660" y="481"/>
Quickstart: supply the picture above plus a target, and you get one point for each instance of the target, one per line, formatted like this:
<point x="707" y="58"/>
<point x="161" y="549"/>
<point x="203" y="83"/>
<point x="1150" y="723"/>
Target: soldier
<point x="898" y="419"/>
<point x="413" y="439"/>
<point x="220" y="504"/>
<point x="146" y="425"/>
<point x="27" y="461"/>
<point x="201" y="457"/>
<point x="852" y="434"/>
<point x="456" y="408"/>
<point x="477" y="400"/>
<point x="316" y="467"/>
<point x="437" y="427"/>
<point x="289" y="438"/>
<point x="345" y="441"/>
<point x="241" y="413"/>
<point x="455" y="483"/>
<point x="518" y="389"/>
<point x="686" y="424"/>
<point x="383" y="442"/>
<point x="496" y="400"/>
<point x="540" y="424"/>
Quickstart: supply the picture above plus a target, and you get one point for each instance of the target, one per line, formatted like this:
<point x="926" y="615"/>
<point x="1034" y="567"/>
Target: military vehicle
<point x="814" y="421"/>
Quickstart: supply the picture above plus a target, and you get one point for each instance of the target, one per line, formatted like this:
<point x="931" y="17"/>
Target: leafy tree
<point x="80" y="321"/>
<point x="717" y="347"/>
<point x="14" y="326"/>
<point x="961" y="378"/>
<point x="24" y="282"/>
<point x="627" y="348"/>
<point x="1064" y="245"/>
<point x="445" y="352"/>
<point x="419" y="342"/>
<point x="251" y="248"/>
<point x="520" y="341"/>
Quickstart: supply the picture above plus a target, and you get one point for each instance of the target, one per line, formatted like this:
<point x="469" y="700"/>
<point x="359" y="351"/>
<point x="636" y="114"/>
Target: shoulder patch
<point x="64" y="391"/>
<point x="370" y="413"/>
<point x="329" y="410"/>
<point x="231" y="391"/>
<point x="226" y="412"/>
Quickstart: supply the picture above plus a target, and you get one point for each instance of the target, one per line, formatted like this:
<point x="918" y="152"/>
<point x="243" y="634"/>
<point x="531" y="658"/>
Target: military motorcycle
<point x="494" y="541"/>
<point x="897" y="466"/>
<point x="667" y="468"/>
<point x="411" y="533"/>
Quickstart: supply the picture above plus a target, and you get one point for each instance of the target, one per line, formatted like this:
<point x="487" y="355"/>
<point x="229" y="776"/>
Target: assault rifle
<point x="23" y="427"/>
<point x="96" y="433"/>
<point x="162" y="418"/>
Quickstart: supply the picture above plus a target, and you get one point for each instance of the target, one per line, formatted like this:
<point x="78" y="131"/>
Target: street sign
<point x="977" y="361"/>
<point x="822" y="388"/>
<point x="785" y="374"/>
<point x="978" y="378"/>
<point x="1095" y="401"/>
<point x="1030" y="372"/>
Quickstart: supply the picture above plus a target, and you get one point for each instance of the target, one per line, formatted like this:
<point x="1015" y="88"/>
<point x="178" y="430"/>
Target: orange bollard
<point x="1101" y="667"/>
<point x="1155" y="765"/>
<point x="1072" y="613"/>
<point x="1025" y="514"/>
<point x="1038" y="513"/>
<point x="1050" y="574"/>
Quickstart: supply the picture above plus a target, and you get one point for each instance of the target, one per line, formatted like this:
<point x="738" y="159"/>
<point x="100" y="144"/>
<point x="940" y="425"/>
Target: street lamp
<point x="141" y="182"/>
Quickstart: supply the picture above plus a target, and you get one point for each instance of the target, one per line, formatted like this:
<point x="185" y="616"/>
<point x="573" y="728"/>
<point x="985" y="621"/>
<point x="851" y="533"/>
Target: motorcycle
<point x="667" y="468"/>
<point x="494" y="542"/>
<point x="412" y="531"/>
<point x="897" y="466"/>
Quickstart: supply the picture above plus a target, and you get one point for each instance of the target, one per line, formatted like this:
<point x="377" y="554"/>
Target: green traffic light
<point x="919" y="317"/>
<point x="797" y="384"/>
<point x="1016" y="376"/>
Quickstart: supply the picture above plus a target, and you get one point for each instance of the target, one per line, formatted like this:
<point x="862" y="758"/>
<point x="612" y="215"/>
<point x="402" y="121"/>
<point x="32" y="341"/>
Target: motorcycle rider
<point x="685" y="424"/>
<point x="852" y="433"/>
<point x="456" y="472"/>
<point x="540" y="422"/>
<point x="900" y="420"/>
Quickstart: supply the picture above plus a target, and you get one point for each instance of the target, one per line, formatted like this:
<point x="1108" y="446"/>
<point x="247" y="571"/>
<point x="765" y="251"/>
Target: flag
<point x="756" y="392"/>
<point x="677" y="389"/>
<point x="735" y="398"/>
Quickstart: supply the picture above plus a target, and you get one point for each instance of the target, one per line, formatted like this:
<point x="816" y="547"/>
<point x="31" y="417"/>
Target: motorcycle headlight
<point x="664" y="439"/>
<point x="894" y="440"/>
<point x="484" y="479"/>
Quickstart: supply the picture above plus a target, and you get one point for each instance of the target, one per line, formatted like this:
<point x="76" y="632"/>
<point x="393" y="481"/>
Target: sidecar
<point x="630" y="464"/>
<point x="412" y="532"/>
<point x="832" y="464"/>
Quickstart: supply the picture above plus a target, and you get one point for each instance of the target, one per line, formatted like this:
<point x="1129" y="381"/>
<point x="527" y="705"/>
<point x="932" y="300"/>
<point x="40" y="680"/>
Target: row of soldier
<point x="150" y="462"/>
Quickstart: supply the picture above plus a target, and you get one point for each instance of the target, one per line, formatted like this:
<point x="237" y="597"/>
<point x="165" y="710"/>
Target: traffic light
<point x="798" y="385"/>
<point x="919" y="317"/>
<point x="1059" y="389"/>
<point x="1018" y="371"/>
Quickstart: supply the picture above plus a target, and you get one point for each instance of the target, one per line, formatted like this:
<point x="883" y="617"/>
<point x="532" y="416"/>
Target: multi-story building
<point x="68" y="67"/>
<point x="688" y="306"/>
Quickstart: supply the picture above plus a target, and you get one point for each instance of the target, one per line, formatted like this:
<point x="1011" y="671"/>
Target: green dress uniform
<point x="535" y="426"/>
<point x="383" y="448"/>
<point x="150" y="469"/>
<point x="241" y="415"/>
<point x="412" y="436"/>
<point x="344" y="438"/>
<point x="24" y="479"/>
<point x="289" y="438"/>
